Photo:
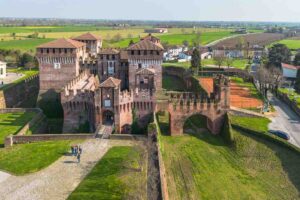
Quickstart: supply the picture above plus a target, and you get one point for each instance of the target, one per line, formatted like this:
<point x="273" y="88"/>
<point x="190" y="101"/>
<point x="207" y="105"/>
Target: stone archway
<point x="108" y="117"/>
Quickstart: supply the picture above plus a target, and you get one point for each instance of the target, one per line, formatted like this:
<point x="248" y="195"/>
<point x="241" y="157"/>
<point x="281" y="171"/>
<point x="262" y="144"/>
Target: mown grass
<point x="28" y="158"/>
<point x="11" y="123"/>
<point x="23" y="45"/>
<point x="200" y="165"/>
<point x="249" y="85"/>
<point x="120" y="174"/>
<point x="173" y="83"/>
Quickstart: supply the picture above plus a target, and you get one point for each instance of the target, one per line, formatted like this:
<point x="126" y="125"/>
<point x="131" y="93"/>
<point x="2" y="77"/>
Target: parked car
<point x="280" y="134"/>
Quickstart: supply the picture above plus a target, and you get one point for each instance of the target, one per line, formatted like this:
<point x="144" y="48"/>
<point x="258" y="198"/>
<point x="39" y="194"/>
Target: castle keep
<point x="109" y="86"/>
<point x="101" y="86"/>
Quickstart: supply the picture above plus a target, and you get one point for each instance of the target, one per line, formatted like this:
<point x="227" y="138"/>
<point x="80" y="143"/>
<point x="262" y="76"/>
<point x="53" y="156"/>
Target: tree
<point x="297" y="59"/>
<point x="197" y="40"/>
<point x="185" y="43"/>
<point x="229" y="61"/>
<point x="131" y="42"/>
<point x="219" y="60"/>
<point x="196" y="61"/>
<point x="297" y="84"/>
<point x="26" y="58"/>
<point x="135" y="128"/>
<point x="278" y="53"/>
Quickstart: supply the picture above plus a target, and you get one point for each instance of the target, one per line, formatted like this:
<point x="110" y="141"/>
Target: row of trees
<point x="17" y="58"/>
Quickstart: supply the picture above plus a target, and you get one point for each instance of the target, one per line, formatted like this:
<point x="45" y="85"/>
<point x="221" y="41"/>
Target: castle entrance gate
<point x="108" y="117"/>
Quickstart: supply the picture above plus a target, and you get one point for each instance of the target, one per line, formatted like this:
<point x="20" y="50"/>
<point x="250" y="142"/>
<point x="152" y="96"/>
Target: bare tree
<point x="219" y="60"/>
<point x="229" y="61"/>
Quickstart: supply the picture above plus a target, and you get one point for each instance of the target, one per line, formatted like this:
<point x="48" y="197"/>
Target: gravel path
<point x="59" y="179"/>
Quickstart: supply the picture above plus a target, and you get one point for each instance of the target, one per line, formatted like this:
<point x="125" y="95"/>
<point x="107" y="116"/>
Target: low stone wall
<point x="293" y="105"/>
<point x="244" y="113"/>
<point x="22" y="139"/>
<point x="128" y="137"/>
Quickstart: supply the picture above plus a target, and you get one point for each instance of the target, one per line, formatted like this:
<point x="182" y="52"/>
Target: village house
<point x="289" y="72"/>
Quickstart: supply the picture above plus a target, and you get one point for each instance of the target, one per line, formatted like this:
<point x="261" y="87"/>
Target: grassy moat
<point x="202" y="166"/>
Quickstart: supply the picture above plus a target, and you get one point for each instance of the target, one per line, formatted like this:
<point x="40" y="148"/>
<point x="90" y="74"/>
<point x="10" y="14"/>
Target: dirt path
<point x="59" y="179"/>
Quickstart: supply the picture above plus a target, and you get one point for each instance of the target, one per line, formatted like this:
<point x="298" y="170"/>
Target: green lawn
<point x="120" y="174"/>
<point x="249" y="85"/>
<point x="27" y="158"/>
<point x="11" y="123"/>
<point x="200" y="165"/>
<point x="23" y="45"/>
<point x="173" y="83"/>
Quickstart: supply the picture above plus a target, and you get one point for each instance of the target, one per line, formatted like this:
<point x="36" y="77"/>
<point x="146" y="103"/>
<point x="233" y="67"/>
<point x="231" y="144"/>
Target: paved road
<point x="286" y="120"/>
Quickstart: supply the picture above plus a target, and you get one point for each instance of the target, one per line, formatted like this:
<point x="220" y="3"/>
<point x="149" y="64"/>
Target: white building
<point x="2" y="69"/>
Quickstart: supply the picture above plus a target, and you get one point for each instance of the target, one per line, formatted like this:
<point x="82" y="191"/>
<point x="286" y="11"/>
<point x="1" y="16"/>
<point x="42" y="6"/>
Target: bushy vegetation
<point x="200" y="165"/>
<point x="293" y="96"/>
<point x="28" y="158"/>
<point x="173" y="83"/>
<point x="120" y="174"/>
<point x="11" y="123"/>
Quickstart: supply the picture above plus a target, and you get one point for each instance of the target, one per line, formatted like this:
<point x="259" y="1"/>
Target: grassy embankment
<point x="248" y="85"/>
<point x="120" y="174"/>
<point x="200" y="165"/>
<point x="293" y="95"/>
<point x="11" y="123"/>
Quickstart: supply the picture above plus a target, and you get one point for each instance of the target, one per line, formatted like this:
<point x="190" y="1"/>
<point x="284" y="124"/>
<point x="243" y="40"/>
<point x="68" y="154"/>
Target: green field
<point x="28" y="158"/>
<point x="293" y="44"/>
<point x="173" y="83"/>
<point x="11" y="123"/>
<point x="120" y="174"/>
<point x="258" y="124"/>
<point x="200" y="165"/>
<point x="23" y="45"/>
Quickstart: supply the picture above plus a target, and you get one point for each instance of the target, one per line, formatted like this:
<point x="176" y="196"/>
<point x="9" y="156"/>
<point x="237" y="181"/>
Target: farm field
<point x="291" y="43"/>
<point x="120" y="174"/>
<point x="28" y="158"/>
<point x="109" y="35"/>
<point x="11" y="123"/>
<point x="262" y="39"/>
<point x="200" y="165"/>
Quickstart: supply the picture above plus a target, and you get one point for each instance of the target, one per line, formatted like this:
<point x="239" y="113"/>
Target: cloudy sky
<point x="199" y="10"/>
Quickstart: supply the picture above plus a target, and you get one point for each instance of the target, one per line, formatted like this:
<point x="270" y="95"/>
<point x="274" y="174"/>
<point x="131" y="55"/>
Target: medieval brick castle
<point x="101" y="86"/>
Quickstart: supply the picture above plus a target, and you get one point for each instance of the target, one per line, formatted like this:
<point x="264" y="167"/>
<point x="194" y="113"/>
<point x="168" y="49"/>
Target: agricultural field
<point x="32" y="157"/>
<point x="200" y="165"/>
<point x="262" y="39"/>
<point x="120" y="174"/>
<point x="113" y="37"/>
<point x="11" y="123"/>
<point x="291" y="43"/>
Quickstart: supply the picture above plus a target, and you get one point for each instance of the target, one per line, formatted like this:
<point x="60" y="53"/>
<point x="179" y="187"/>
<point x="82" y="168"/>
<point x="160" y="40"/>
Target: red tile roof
<point x="111" y="82"/>
<point x="109" y="51"/>
<point x="87" y="36"/>
<point x="146" y="45"/>
<point x="63" y="43"/>
<point x="288" y="66"/>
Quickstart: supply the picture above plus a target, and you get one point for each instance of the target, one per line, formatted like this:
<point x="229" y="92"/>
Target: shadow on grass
<point x="290" y="160"/>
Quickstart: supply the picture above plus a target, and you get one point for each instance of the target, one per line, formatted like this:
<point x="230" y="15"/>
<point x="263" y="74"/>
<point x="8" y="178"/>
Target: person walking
<point x="72" y="150"/>
<point x="78" y="157"/>
<point x="75" y="150"/>
<point x="80" y="150"/>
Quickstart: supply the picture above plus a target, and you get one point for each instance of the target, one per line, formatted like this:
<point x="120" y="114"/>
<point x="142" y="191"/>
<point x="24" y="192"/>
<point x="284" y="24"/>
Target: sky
<point x="183" y="10"/>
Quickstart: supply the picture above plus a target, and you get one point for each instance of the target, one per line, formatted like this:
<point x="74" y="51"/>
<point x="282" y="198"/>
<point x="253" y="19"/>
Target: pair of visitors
<point x="76" y="151"/>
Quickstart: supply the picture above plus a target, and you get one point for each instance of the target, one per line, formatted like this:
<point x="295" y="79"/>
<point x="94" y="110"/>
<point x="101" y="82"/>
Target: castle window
<point x="56" y="65"/>
<point x="107" y="103"/>
<point x="59" y="50"/>
<point x="139" y="52"/>
<point x="157" y="52"/>
<point x="132" y="52"/>
<point x="111" y="68"/>
<point x="113" y="57"/>
<point x="145" y="52"/>
<point x="151" y="52"/>
<point x="53" y="50"/>
<point x="101" y="57"/>
<point x="107" y="57"/>
<point x="42" y="51"/>
<point x="47" y="50"/>
<point x="140" y="65"/>
<point x="66" y="51"/>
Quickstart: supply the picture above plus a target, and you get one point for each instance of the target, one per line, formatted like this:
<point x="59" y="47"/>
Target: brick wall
<point x="15" y="94"/>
